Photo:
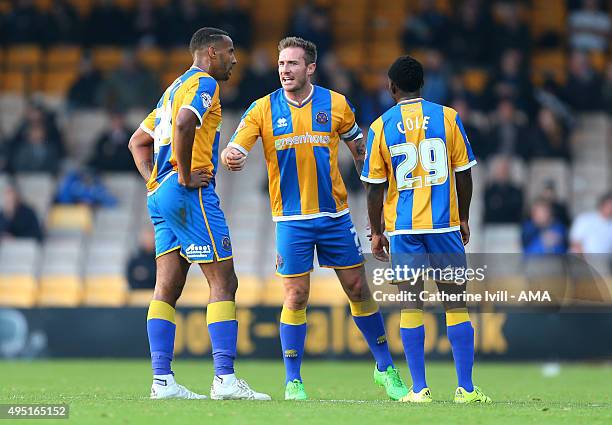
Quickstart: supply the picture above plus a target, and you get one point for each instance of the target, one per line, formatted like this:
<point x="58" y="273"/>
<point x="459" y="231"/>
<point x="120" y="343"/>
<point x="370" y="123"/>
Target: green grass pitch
<point x="116" y="392"/>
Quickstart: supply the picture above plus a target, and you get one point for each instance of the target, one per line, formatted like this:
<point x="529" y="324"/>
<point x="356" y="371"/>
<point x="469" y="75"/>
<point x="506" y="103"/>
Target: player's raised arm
<point x="249" y="129"/>
<point x="141" y="146"/>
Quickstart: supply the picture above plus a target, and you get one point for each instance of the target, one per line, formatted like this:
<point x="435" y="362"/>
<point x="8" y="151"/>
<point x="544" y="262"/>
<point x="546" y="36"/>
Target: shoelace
<point x="396" y="379"/>
<point x="245" y="387"/>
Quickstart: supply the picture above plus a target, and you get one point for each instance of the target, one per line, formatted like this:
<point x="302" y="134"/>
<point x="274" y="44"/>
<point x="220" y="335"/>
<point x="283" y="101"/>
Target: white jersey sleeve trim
<point x="195" y="111"/>
<point x="147" y="130"/>
<point x="375" y="181"/>
<point x="466" y="166"/>
<point x="237" y="146"/>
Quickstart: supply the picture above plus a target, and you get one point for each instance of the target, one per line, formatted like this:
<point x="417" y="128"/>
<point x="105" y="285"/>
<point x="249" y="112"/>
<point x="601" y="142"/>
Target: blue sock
<point x="370" y="322"/>
<point x="412" y="332"/>
<point x="161" y="330"/>
<point x="293" y="336"/>
<point x="461" y="337"/>
<point x="223" y="331"/>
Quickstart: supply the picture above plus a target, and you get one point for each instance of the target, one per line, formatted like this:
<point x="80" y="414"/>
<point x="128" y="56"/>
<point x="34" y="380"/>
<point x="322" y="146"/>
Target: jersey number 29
<point x="431" y="153"/>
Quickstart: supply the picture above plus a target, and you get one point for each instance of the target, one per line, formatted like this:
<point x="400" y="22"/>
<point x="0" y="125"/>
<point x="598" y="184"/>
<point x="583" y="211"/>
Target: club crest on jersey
<point x="206" y="100"/>
<point x="226" y="243"/>
<point x="281" y="122"/>
<point x="322" y="117"/>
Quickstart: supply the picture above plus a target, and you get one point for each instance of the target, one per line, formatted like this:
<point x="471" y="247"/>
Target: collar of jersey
<point x="198" y="68"/>
<point x="304" y="102"/>
<point x="404" y="102"/>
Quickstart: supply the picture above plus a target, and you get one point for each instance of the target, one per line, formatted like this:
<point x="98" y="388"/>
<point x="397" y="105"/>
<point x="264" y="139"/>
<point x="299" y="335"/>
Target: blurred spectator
<point x="36" y="153"/>
<point x="559" y="208"/>
<point x="457" y="90"/>
<point x="24" y="24"/>
<point x="17" y="219"/>
<point x="258" y="80"/>
<point x="180" y="19"/>
<point x="108" y="24"/>
<point x="548" y="138"/>
<point x="84" y="187"/>
<point x="64" y="25"/>
<point x="427" y="28"/>
<point x="141" y="267"/>
<point x="84" y="91"/>
<point x="511" y="82"/>
<point x="130" y="86"/>
<point x="111" y="152"/>
<point x="374" y="104"/>
<point x="437" y="76"/>
<point x="236" y="22"/>
<point x="607" y="89"/>
<point x="510" y="32"/>
<point x="4" y="155"/>
<point x="36" y="114"/>
<point x="589" y="27"/>
<point x="583" y="90"/>
<point x="466" y="44"/>
<point x="591" y="232"/>
<point x="508" y="131"/>
<point x="312" y="23"/>
<point x="146" y="23"/>
<point x="503" y="199"/>
<point x="333" y="75"/>
<point x="542" y="233"/>
<point x="474" y="133"/>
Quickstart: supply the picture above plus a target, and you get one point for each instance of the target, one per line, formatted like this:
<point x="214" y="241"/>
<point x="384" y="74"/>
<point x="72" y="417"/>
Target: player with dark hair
<point x="420" y="150"/>
<point x="175" y="150"/>
<point x="301" y="126"/>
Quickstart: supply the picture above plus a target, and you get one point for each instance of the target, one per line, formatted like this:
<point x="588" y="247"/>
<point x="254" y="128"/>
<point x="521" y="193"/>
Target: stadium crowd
<point x="510" y="115"/>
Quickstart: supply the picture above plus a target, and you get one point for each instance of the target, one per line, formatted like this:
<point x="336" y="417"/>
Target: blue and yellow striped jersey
<point x="198" y="92"/>
<point x="300" y="144"/>
<point x="417" y="146"/>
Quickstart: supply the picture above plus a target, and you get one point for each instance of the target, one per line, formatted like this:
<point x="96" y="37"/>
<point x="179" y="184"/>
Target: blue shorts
<point x="335" y="239"/>
<point x="436" y="250"/>
<point x="190" y="220"/>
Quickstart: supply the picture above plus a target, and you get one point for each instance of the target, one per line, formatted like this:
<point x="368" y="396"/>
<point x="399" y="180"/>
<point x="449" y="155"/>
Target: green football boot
<point x="295" y="391"/>
<point x="391" y="380"/>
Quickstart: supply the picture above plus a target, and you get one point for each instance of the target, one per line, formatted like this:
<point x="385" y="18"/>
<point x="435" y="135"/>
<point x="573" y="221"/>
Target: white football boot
<point x="229" y="387"/>
<point x="164" y="386"/>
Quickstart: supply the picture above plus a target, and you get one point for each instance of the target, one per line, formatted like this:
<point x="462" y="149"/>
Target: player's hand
<point x="234" y="159"/>
<point x="465" y="232"/>
<point x="380" y="247"/>
<point x="197" y="179"/>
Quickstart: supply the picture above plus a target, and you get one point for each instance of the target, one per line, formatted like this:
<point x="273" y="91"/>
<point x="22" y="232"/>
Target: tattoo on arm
<point x="360" y="155"/>
<point x="145" y="168"/>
